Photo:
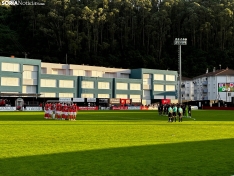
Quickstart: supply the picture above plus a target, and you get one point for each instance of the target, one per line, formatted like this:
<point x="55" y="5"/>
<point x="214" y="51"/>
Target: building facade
<point x="214" y="85"/>
<point x="51" y="80"/>
<point x="187" y="89"/>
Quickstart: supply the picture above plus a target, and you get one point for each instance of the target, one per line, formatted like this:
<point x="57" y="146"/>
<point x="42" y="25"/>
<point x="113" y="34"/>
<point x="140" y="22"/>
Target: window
<point x="43" y="70"/>
<point x="170" y="87"/>
<point x="103" y="85"/>
<point x="87" y="84"/>
<point x="170" y="97"/>
<point x="97" y="74"/>
<point x="58" y="71"/>
<point x="158" y="87"/>
<point x="30" y="67"/>
<point x="14" y="67"/>
<point x="9" y="81"/>
<point x="86" y="95"/>
<point x="30" y="74"/>
<point x="135" y="86"/>
<point x="158" y="96"/>
<point x="147" y="81"/>
<point x="29" y="89"/>
<point x="122" y="86"/>
<point x="109" y="75"/>
<point x="121" y="96"/>
<point x="66" y="95"/>
<point x="147" y="76"/>
<point x="135" y="96"/>
<point x="48" y="94"/>
<point x="146" y="94"/>
<point x="159" y="77"/>
<point x="66" y="83"/>
<point x="103" y="95"/>
<point x="78" y="73"/>
<point x="48" y="83"/>
<point x="88" y="73"/>
<point x="170" y="77"/>
<point x="124" y="75"/>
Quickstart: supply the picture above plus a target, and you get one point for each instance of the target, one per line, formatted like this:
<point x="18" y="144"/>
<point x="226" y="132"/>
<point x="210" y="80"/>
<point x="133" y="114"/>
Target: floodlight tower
<point x="179" y="42"/>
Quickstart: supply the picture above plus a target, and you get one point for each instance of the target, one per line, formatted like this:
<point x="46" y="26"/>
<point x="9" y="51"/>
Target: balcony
<point x="205" y="90"/>
<point x="205" y="83"/>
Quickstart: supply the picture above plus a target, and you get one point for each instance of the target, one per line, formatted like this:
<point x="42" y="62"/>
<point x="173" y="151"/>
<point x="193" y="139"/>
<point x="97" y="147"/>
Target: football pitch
<point x="117" y="143"/>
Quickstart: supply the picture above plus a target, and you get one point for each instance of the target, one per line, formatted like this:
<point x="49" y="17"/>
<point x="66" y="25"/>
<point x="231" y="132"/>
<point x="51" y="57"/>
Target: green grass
<point x="106" y="143"/>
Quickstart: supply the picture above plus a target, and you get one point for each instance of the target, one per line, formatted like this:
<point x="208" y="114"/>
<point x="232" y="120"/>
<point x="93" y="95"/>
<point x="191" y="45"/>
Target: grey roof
<point x="223" y="72"/>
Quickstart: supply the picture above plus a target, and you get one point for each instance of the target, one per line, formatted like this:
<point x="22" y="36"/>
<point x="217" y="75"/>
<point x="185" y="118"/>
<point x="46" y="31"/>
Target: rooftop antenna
<point x="66" y="58"/>
<point x="220" y="66"/>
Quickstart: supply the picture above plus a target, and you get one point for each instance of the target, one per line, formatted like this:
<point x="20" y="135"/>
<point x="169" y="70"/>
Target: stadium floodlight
<point x="179" y="42"/>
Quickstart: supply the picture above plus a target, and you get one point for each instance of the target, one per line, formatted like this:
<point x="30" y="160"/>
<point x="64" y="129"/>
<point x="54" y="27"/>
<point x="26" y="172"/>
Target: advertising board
<point x="166" y="101"/>
<point x="7" y="108"/>
<point x="114" y="100"/>
<point x="103" y="100"/>
<point x="91" y="99"/>
<point x="125" y="101"/>
<point x="134" y="108"/>
<point x="87" y="108"/>
<point x="78" y="99"/>
<point x="33" y="109"/>
<point x="225" y="87"/>
<point x="65" y="99"/>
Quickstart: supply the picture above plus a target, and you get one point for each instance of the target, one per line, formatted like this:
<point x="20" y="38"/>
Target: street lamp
<point x="179" y="42"/>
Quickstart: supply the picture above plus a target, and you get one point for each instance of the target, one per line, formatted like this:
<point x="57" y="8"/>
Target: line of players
<point x="172" y="110"/>
<point x="60" y="111"/>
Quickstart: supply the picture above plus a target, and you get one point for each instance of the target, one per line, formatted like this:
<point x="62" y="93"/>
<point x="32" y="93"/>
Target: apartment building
<point x="214" y="85"/>
<point x="187" y="89"/>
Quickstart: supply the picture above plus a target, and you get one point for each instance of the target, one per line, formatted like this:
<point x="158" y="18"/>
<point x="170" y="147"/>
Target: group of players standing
<point x="60" y="111"/>
<point x="174" y="110"/>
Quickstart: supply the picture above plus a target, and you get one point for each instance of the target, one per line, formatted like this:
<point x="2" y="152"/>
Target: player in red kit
<point x="74" y="107"/>
<point x="59" y="112"/>
<point x="52" y="113"/>
<point x="46" y="111"/>
<point x="70" y="113"/>
<point x="63" y="112"/>
<point x="66" y="112"/>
